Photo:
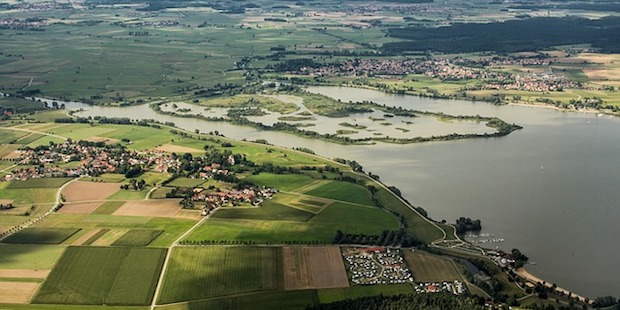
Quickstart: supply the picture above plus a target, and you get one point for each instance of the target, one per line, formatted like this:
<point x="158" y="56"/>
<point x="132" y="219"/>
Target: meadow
<point x="219" y="271"/>
<point x="103" y="275"/>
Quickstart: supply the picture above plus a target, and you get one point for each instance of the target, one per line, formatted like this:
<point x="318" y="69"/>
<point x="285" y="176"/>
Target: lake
<point x="550" y="190"/>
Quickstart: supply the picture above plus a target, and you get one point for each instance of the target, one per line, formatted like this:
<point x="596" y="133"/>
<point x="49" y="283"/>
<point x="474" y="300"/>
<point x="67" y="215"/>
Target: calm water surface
<point x="550" y="189"/>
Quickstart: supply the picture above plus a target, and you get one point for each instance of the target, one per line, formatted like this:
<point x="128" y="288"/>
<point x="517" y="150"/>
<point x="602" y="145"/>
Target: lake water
<point x="551" y="189"/>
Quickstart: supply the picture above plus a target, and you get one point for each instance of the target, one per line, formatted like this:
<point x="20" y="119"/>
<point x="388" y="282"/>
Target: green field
<point x="107" y="177"/>
<point x="41" y="235"/>
<point x="269" y="210"/>
<point x="283" y="182"/>
<point x="268" y="300"/>
<point x="29" y="256"/>
<point x="202" y="272"/>
<point x="320" y="228"/>
<point x="103" y="275"/>
<point x="130" y="194"/>
<point x="343" y="191"/>
<point x="431" y="268"/>
<point x="38" y="183"/>
<point x="137" y="237"/>
<point x="96" y="236"/>
<point x="336" y="294"/>
<point x="185" y="182"/>
<point x="108" y="207"/>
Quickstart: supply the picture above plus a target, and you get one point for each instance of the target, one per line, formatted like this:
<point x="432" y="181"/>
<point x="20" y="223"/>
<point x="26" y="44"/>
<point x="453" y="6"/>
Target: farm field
<point x="41" y="235"/>
<point x="29" y="256"/>
<point x="343" y="191"/>
<point x="202" y="272"/>
<point x="103" y="275"/>
<point x="266" y="300"/>
<point x="79" y="208"/>
<point x="185" y="182"/>
<point x="313" y="267"/>
<point x="269" y="210"/>
<point x="17" y="292"/>
<point x="283" y="182"/>
<point x="150" y="208"/>
<point x="87" y="191"/>
<point x="336" y="294"/>
<point x="427" y="267"/>
<point x="137" y="237"/>
<point x="321" y="227"/>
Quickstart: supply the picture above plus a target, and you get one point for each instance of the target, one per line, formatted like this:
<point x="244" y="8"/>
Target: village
<point x="378" y="265"/>
<point x="96" y="158"/>
<point x="369" y="266"/>
<point x="453" y="70"/>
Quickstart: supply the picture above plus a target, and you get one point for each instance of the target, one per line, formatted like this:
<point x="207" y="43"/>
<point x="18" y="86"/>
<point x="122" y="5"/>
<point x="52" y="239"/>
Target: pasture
<point x="313" y="267"/>
<point x="203" y="272"/>
<point x="185" y="182"/>
<point x="427" y="267"/>
<point x="283" y="182"/>
<point x="343" y="191"/>
<point x="321" y="227"/>
<point x="103" y="275"/>
<point x="41" y="235"/>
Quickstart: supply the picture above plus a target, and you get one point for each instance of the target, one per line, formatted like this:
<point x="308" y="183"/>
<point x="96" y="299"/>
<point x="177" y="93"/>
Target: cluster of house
<point x="95" y="160"/>
<point x="42" y="162"/>
<point x="451" y="69"/>
<point x="142" y="23"/>
<point x="215" y="199"/>
<point x="501" y="258"/>
<point x="21" y="24"/>
<point x="455" y="287"/>
<point x="369" y="266"/>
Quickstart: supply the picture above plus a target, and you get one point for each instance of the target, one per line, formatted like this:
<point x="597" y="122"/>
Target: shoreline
<point x="522" y="272"/>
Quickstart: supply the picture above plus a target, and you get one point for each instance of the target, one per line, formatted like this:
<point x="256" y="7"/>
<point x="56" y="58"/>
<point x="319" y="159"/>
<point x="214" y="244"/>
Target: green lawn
<point x="284" y="182"/>
<point x="202" y="272"/>
<point x="103" y="275"/>
<point x="344" y="191"/>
